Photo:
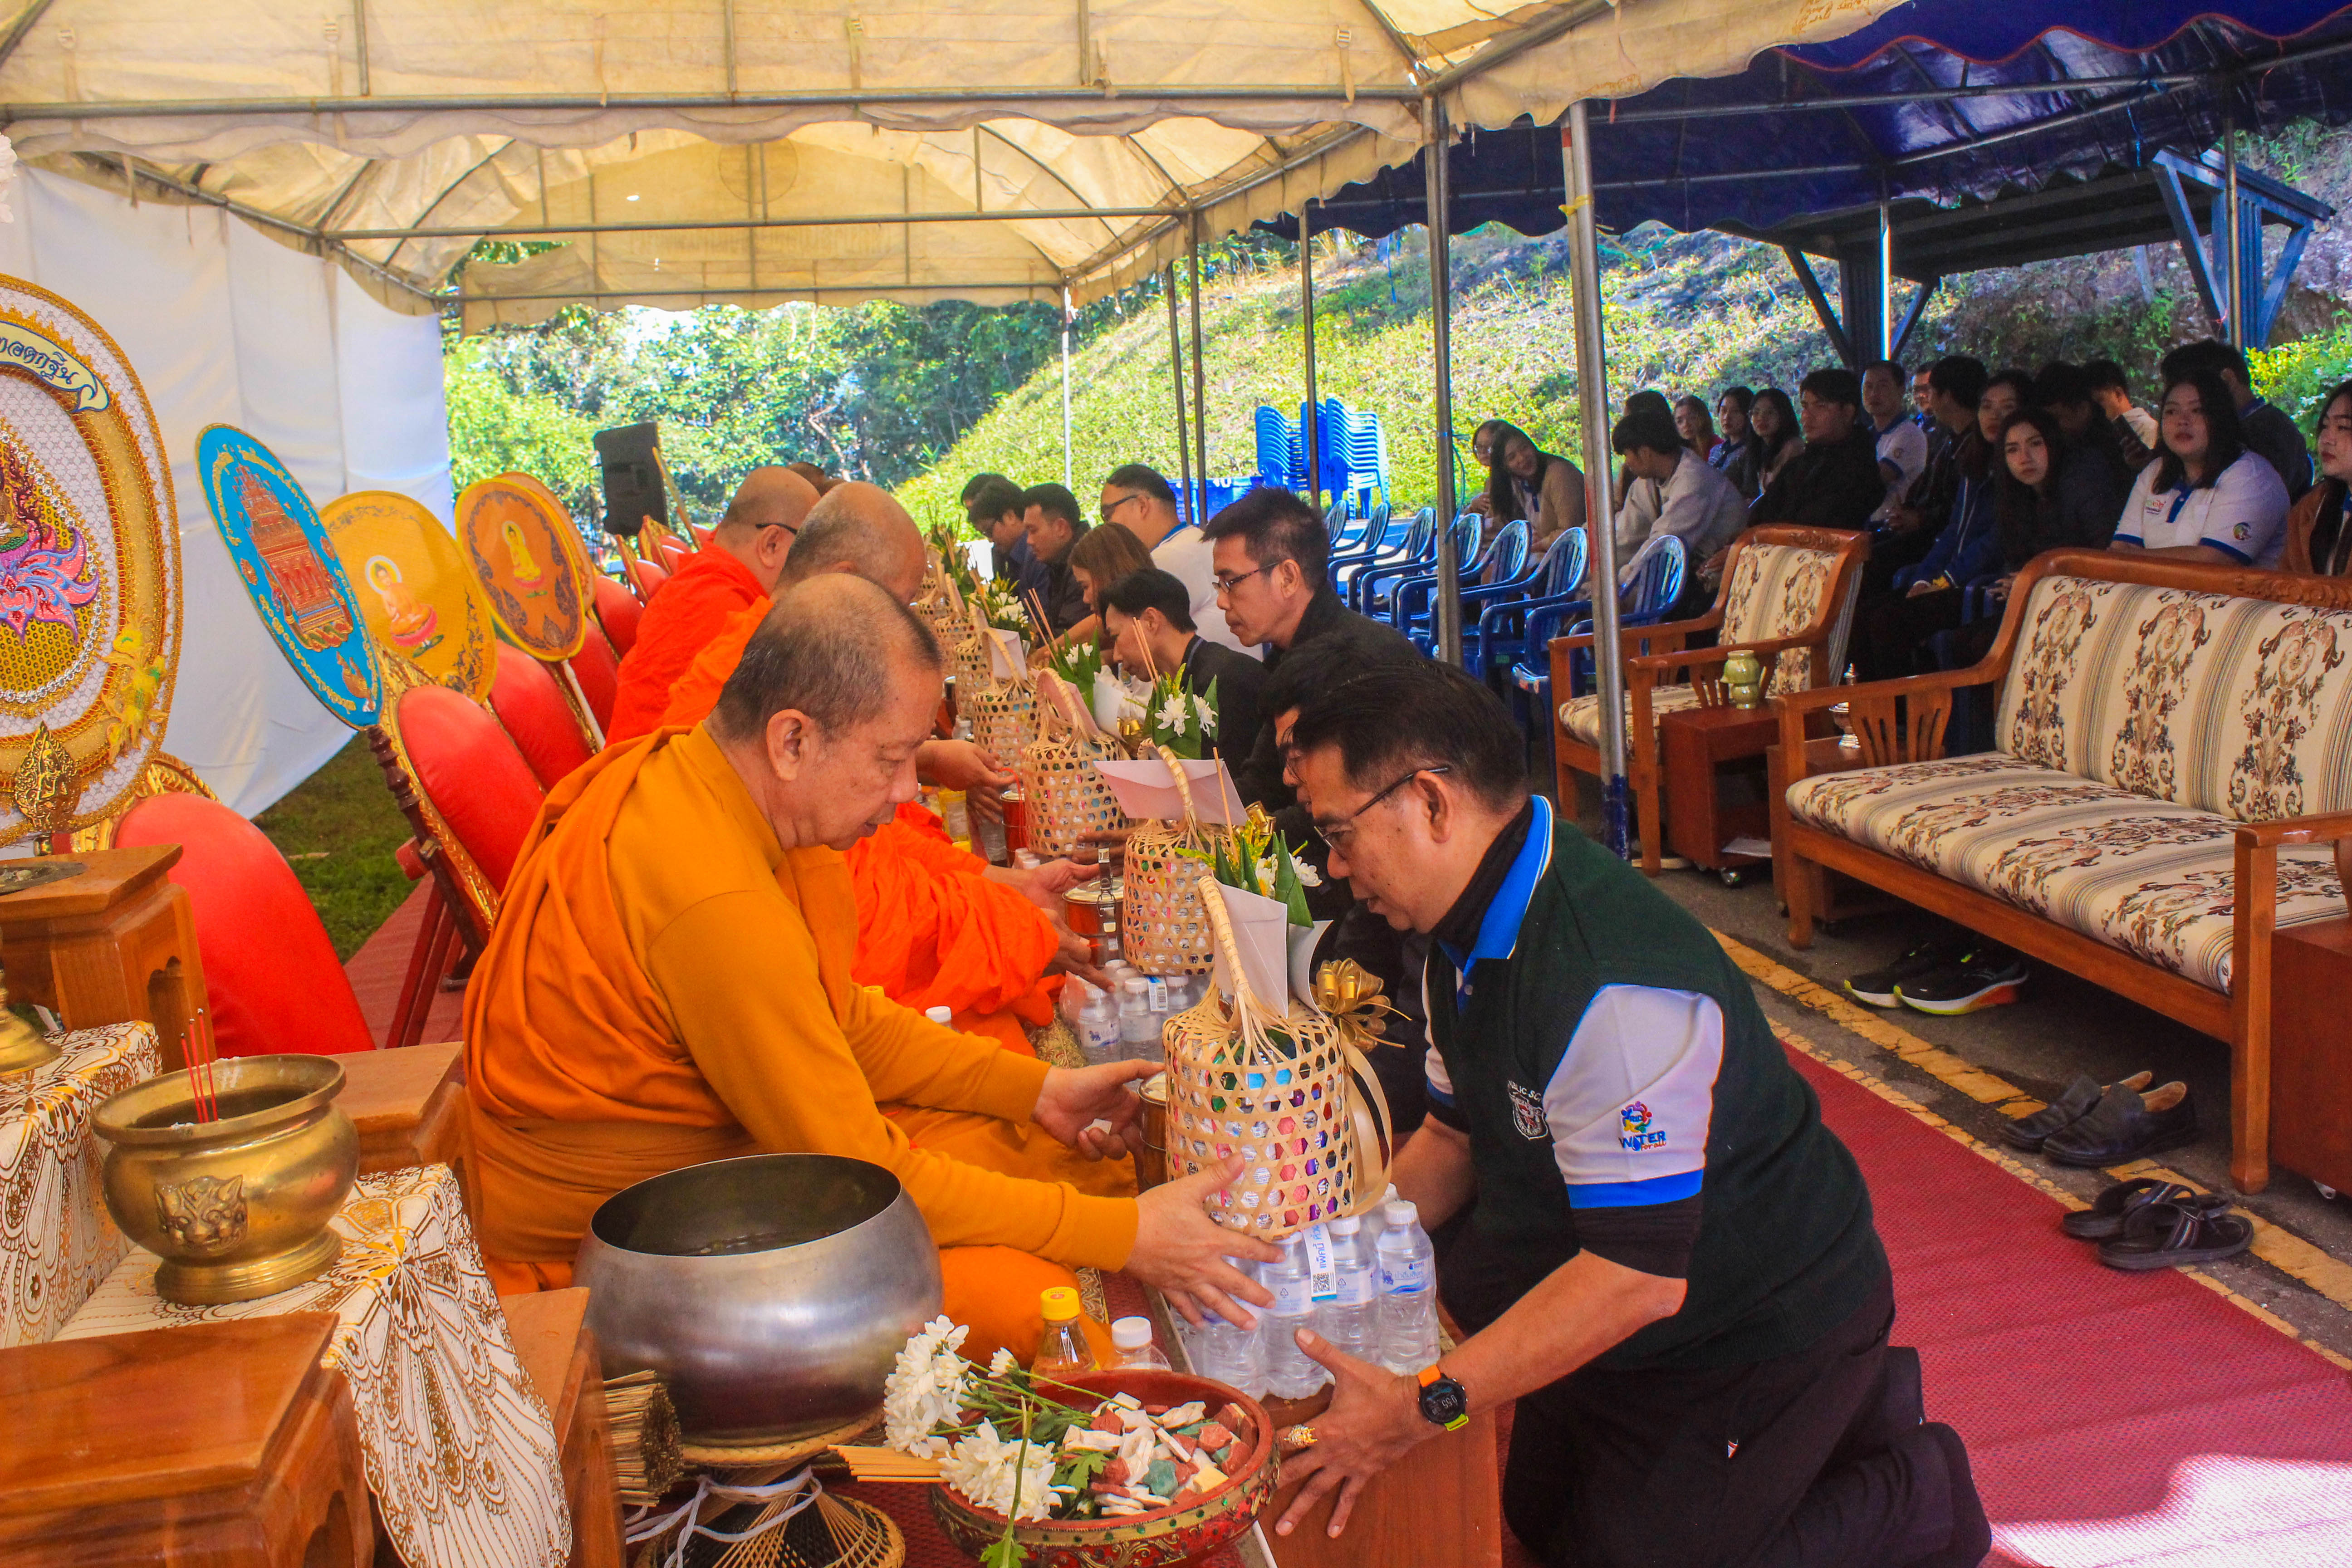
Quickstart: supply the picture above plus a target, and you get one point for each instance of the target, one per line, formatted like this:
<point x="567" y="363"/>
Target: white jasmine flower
<point x="1266" y="875"/>
<point x="987" y="1470"/>
<point x="1207" y="715"/>
<point x="1308" y="876"/>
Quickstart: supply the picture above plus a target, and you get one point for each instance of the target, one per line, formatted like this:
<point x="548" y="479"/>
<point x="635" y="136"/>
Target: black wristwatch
<point x="1444" y="1402"/>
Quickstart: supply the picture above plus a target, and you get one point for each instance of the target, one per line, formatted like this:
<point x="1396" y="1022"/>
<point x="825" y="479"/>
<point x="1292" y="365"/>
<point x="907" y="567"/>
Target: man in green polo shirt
<point x="1661" y="1253"/>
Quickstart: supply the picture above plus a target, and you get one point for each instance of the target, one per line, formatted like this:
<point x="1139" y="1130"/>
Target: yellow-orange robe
<point x="694" y="693"/>
<point x="701" y="596"/>
<point x="667" y="984"/>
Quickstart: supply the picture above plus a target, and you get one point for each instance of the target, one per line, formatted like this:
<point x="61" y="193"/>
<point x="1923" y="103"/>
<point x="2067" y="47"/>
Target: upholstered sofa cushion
<point x="1581" y="716"/>
<point x="1776" y="591"/>
<point x="2153" y="878"/>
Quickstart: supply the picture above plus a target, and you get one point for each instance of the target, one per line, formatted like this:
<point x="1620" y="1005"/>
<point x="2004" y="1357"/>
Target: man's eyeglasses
<point x="1227" y="581"/>
<point x="1339" y="831"/>
<point x="1110" y="511"/>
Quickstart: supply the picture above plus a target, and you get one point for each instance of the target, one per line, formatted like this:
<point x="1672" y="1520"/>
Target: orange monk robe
<point x="695" y="692"/>
<point x="699" y="599"/>
<point x="667" y="984"/>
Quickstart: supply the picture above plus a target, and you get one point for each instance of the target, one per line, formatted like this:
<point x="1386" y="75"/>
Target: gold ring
<point x="1294" y="1438"/>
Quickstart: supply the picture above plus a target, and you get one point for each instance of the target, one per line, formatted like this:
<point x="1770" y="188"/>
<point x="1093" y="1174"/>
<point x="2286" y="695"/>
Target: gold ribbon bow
<point x="1355" y="1000"/>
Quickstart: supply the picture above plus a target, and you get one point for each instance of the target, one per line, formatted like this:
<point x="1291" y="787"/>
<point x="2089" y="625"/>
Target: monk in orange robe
<point x="736" y="569"/>
<point x="669" y="982"/>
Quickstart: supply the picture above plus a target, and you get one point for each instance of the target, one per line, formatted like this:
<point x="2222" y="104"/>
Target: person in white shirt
<point x="2207" y="498"/>
<point x="2135" y="425"/>
<point x="1693" y="501"/>
<point x="1902" y="444"/>
<point x="1137" y="497"/>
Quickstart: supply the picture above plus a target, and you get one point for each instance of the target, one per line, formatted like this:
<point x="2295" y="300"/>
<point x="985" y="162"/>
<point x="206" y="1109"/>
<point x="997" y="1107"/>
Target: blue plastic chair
<point x="1277" y="450"/>
<point x="1364" y="592"/>
<point x="1387" y="539"/>
<point x="1645" y="601"/>
<point x="1411" y="605"/>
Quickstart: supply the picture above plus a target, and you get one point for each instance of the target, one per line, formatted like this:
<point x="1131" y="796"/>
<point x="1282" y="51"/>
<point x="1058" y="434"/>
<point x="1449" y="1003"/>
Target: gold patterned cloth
<point x="461" y="1453"/>
<point x="57" y="1243"/>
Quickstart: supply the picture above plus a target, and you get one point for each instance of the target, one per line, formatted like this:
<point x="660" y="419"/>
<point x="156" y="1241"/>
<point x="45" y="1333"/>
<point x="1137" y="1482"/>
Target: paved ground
<point x="2064" y="1026"/>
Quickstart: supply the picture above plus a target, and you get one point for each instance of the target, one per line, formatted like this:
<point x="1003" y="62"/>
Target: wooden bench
<point x="2170" y="788"/>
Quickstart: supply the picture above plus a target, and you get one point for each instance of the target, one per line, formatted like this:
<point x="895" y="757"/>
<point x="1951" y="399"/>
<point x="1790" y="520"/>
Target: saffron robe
<point x="699" y="598"/>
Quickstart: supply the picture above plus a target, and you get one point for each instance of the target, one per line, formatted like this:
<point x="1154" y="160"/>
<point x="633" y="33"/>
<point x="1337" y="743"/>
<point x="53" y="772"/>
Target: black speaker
<point x="634" y="490"/>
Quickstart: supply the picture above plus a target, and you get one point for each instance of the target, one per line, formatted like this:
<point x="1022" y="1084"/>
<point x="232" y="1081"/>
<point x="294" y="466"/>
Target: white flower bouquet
<point x="1180" y="719"/>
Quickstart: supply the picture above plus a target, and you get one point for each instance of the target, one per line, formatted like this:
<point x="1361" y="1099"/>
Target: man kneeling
<point x="668" y="982"/>
<point x="1664" y="1256"/>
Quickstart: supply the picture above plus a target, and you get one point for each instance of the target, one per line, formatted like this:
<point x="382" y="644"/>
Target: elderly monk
<point x="670" y="983"/>
<point x="739" y="567"/>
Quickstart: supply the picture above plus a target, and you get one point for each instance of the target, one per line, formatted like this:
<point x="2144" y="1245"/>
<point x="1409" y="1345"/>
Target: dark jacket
<point x="1740" y="462"/>
<point x="2079" y="513"/>
<point x="1932" y="493"/>
<point x="1020" y="567"/>
<point x="1832" y="485"/>
<point x="1239" y="680"/>
<point x="1967" y="546"/>
<point x="1258" y="776"/>
<point x="1066" y="601"/>
<point x="2274" y="435"/>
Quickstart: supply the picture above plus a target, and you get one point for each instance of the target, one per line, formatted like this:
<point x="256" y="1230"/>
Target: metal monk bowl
<point x="237" y="1208"/>
<point x="772" y="1293"/>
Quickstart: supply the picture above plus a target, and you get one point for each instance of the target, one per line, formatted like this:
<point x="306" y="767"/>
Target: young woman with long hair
<point x="2319" y="528"/>
<point x="1527" y="481"/>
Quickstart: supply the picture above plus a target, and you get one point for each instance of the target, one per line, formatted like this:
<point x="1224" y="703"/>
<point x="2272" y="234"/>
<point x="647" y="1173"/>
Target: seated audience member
<point x="1138" y="498"/>
<point x="1956" y="384"/>
<point x="1050" y="513"/>
<point x="1922" y="384"/>
<point x="1696" y="504"/>
<point x="992" y="505"/>
<point x="1697" y="428"/>
<point x="1834" y="482"/>
<point x="1482" y="453"/>
<point x="1527" y="482"/>
<point x="2318" y="540"/>
<point x="2091" y="438"/>
<point x="1902" y="446"/>
<point x="817" y="478"/>
<point x="2134" y="427"/>
<point x="2209" y="498"/>
<point x="1622" y="483"/>
<point x="2266" y="430"/>
<point x="1739" y="454"/>
<point x="1773" y="419"/>
<point x="1148" y="614"/>
<point x="1100" y="557"/>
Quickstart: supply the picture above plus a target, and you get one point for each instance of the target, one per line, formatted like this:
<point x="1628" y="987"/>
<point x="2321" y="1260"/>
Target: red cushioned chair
<point x="469" y="796"/>
<point x="535" y="713"/>
<point x="648" y="577"/>
<point x="619" y="611"/>
<point x="598" y="669"/>
<point x="274" y="979"/>
<point x="675" y="555"/>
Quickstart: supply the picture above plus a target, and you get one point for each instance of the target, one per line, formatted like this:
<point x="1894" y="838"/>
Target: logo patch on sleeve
<point x="1527" y="1113"/>
<point x="1637" y="1129"/>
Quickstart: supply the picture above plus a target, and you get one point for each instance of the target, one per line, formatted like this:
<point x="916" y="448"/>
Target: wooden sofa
<point x="1787" y="597"/>
<point x="2172" y="784"/>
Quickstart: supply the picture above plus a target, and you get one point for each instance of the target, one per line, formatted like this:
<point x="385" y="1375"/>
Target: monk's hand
<point x="1375" y="1416"/>
<point x="959" y="764"/>
<point x="1075" y="1099"/>
<point x="1043" y="885"/>
<point x="1076" y="956"/>
<point x="1190" y="1258"/>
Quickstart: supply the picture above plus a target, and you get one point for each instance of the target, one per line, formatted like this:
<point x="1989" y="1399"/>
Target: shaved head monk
<point x="739" y="567"/>
<point x="668" y="982"/>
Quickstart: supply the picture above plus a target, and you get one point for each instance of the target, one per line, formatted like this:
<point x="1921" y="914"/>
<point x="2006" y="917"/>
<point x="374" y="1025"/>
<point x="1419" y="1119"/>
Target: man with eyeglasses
<point x="1659" y="1251"/>
<point x="1137" y="499"/>
<point x="737" y="569"/>
<point x="992" y="505"/>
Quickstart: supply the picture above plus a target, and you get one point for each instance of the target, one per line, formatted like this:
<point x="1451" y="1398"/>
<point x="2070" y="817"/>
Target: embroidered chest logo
<point x="1527" y="1113"/>
<point x="1637" y="1129"/>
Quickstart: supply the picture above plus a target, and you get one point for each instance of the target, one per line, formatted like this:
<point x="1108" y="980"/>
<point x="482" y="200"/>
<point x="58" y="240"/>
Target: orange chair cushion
<point x="618" y="609"/>
<point x="598" y="669"/>
<point x="272" y="974"/>
<point x="527" y="702"/>
<point x="470" y="770"/>
<point x="648" y="578"/>
<point x="675" y="555"/>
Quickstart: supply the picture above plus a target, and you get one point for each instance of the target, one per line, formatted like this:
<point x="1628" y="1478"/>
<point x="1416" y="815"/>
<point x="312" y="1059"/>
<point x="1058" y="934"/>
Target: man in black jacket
<point x="1054" y="529"/>
<point x="1149" y="614"/>
<point x="1834" y="482"/>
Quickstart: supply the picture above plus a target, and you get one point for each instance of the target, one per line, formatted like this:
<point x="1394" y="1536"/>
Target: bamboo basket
<point x="1278" y="1087"/>
<point x="940" y="605"/>
<point x="1164" y="927"/>
<point x="1067" y="798"/>
<point x="1003" y="713"/>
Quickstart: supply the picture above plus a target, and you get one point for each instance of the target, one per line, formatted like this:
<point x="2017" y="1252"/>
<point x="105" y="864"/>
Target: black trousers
<point x="1893" y="632"/>
<point x="1778" y="1464"/>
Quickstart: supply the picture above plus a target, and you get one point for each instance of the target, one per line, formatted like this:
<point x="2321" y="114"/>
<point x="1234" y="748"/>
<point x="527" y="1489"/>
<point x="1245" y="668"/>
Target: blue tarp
<point x="1746" y="149"/>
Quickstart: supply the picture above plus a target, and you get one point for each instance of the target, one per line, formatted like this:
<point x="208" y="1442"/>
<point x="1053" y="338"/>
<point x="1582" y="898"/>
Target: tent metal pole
<point x="1310" y="424"/>
<point x="2236" y="330"/>
<point x="1600" y="527"/>
<point x="1176" y="369"/>
<point x="1199" y="372"/>
<point x="1434" y="138"/>
<point x="1885" y="281"/>
<point x="1065" y="389"/>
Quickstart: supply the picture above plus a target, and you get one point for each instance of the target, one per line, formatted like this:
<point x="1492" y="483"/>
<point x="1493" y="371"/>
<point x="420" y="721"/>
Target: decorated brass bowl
<point x="236" y="1207"/>
<point x="1165" y="1537"/>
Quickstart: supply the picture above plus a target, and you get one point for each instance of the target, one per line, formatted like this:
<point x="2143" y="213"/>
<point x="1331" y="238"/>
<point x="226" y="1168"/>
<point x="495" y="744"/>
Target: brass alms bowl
<point x="237" y="1208"/>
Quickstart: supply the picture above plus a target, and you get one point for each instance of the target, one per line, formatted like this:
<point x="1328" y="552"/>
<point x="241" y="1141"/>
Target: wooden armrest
<point x="2322" y="827"/>
<point x="1901" y="685"/>
<point x="1685" y="658"/>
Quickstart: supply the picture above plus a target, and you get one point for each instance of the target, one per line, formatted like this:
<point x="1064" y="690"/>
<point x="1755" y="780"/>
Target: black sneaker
<point x="1986" y="975"/>
<point x="1876" y="987"/>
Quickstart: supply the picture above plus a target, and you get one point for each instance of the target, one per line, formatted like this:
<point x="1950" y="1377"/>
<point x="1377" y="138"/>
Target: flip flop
<point x="2106" y="1215"/>
<point x="2164" y="1236"/>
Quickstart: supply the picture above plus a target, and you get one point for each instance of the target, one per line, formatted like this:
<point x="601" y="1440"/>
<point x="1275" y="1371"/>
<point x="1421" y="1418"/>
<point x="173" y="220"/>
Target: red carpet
<point x="380" y="965"/>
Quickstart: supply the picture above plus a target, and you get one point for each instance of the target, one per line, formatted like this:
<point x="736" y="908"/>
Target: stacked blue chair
<point x="1279" y="461"/>
<point x="1513" y="575"/>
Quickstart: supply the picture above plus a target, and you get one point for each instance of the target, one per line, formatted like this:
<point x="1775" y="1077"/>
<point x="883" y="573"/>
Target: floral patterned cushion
<point x="1581" y="716"/>
<point x="2153" y="878"/>
<point x="1775" y="592"/>
<point x="2241" y="707"/>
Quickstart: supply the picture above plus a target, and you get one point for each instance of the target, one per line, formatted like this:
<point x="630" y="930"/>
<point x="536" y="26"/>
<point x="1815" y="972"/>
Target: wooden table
<point x="2311" y="1051"/>
<point x="1698" y="743"/>
<point x="113" y="944"/>
<point x="409" y="1106"/>
<point x="559" y="1354"/>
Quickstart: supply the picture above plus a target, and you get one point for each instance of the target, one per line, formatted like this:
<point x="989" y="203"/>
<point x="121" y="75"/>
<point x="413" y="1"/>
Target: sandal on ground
<point x="2109" y="1213"/>
<point x="2192" y="1230"/>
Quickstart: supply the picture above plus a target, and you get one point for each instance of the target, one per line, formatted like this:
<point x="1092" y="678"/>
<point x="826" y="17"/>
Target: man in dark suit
<point x="1149" y="616"/>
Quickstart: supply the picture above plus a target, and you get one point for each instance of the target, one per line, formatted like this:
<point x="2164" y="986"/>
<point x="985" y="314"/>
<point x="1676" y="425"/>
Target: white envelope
<point x="1145" y="789"/>
<point x="1008" y="656"/>
<point x="1262" y="935"/>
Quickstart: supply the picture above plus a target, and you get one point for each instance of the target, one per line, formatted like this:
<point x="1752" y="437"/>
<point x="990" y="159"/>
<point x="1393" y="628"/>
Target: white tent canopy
<point x="688" y="152"/>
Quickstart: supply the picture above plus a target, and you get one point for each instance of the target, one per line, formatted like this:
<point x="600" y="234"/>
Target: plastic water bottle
<point x="1138" y="1026"/>
<point x="1227" y="1353"/>
<point x="1290" y="1373"/>
<point x="1408" y="1314"/>
<point x="1375" y="1219"/>
<point x="943" y="1017"/>
<point x="1349" y="1320"/>
<point x="1097" y="1028"/>
<point x="1132" y="1338"/>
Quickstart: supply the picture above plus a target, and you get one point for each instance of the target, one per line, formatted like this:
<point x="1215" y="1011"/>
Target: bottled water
<point x="1290" y="1373"/>
<point x="1408" y="1314"/>
<point x="1349" y="1320"/>
<point x="1138" y="1026"/>
<point x="1097" y="1028"/>
<point x="943" y="1017"/>
<point x="1375" y="1222"/>
<point x="1132" y="1338"/>
<point x="1227" y="1352"/>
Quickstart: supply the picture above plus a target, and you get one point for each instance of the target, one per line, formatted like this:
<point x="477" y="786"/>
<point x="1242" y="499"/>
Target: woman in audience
<point x="1101" y="557"/>
<point x="1481" y="452"/>
<point x="1527" y="481"/>
<point x="2206" y="497"/>
<point x="2318" y="530"/>
<point x="1773" y="419"/>
<point x="1740" y="455"/>
<point x="1695" y="427"/>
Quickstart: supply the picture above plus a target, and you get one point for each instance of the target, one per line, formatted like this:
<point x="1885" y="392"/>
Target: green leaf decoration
<point x="1287" y="885"/>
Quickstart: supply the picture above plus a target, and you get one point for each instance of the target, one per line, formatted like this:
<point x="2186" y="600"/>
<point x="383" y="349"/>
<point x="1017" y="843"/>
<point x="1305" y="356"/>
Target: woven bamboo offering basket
<point x="1067" y="798"/>
<point x="1275" y="1083"/>
<point x="940" y="606"/>
<point x="1164" y="926"/>
<point x="1004" y="713"/>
